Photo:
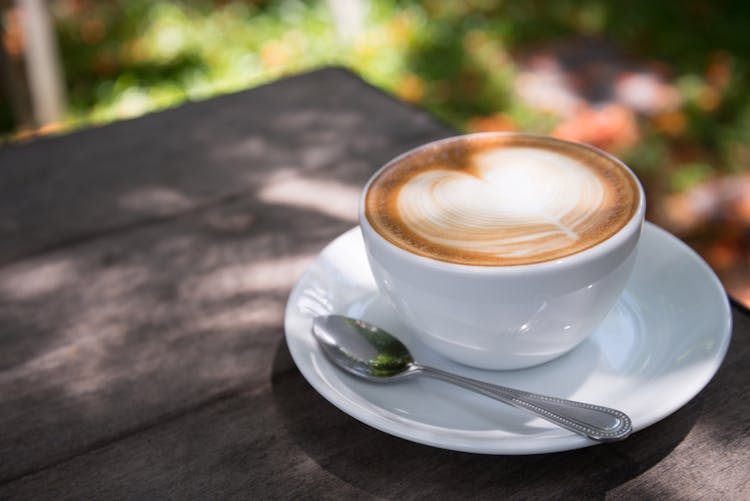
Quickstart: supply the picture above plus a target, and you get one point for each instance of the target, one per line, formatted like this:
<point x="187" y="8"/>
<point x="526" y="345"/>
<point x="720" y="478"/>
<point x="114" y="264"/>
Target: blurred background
<point x="662" y="84"/>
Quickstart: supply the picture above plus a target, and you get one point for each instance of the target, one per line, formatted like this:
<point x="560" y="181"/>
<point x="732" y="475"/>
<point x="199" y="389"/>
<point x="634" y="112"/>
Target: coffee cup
<point x="502" y="251"/>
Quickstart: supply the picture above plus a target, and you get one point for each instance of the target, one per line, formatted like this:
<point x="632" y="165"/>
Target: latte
<point x="500" y="200"/>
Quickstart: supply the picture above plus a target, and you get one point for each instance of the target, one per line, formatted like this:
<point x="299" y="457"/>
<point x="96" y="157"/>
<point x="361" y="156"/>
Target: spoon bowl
<point x="369" y="352"/>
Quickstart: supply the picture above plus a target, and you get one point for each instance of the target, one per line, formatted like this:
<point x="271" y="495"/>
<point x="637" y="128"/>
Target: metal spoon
<point x="371" y="353"/>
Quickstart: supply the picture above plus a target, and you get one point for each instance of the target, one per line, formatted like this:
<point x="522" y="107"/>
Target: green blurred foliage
<point x="123" y="58"/>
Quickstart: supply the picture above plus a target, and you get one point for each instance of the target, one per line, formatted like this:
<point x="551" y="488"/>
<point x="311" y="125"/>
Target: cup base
<point x="510" y="364"/>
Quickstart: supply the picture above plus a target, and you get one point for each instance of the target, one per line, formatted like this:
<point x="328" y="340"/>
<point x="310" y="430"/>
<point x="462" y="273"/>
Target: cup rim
<point x="594" y="252"/>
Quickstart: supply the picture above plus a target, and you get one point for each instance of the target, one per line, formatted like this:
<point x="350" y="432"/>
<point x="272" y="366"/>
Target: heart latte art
<point x="504" y="200"/>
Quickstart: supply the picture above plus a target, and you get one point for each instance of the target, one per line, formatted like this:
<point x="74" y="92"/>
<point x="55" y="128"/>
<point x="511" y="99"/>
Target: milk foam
<point x="516" y="202"/>
<point x="501" y="200"/>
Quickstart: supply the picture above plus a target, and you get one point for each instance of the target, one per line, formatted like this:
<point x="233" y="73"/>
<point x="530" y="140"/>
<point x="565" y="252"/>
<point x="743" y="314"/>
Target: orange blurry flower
<point x="672" y="123"/>
<point x="722" y="255"/>
<point x="411" y="88"/>
<point x="719" y="70"/>
<point x="399" y="29"/>
<point x="31" y="133"/>
<point x="274" y="54"/>
<point x="493" y="123"/>
<point x="611" y="128"/>
<point x="708" y="99"/>
<point x="50" y="128"/>
<point x="92" y="30"/>
<point x="740" y="209"/>
<point x="13" y="34"/>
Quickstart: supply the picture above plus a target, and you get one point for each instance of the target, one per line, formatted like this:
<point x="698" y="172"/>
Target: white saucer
<point x="660" y="345"/>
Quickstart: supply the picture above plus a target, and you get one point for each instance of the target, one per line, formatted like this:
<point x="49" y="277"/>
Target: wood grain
<point x="145" y="268"/>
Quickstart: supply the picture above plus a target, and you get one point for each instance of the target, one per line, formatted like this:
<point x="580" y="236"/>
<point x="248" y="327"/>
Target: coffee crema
<point x="500" y="200"/>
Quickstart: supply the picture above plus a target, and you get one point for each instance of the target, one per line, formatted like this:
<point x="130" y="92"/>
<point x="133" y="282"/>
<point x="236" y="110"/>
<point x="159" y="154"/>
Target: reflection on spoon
<point x="373" y="354"/>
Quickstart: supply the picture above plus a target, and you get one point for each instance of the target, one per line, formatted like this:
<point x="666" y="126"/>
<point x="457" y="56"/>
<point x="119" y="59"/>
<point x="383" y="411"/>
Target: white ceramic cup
<point x="504" y="317"/>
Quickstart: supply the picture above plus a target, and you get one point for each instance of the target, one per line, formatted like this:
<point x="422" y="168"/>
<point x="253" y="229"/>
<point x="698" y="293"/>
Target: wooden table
<point x="145" y="268"/>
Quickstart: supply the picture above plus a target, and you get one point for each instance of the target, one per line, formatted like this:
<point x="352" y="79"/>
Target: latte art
<point x="520" y="202"/>
<point x="503" y="201"/>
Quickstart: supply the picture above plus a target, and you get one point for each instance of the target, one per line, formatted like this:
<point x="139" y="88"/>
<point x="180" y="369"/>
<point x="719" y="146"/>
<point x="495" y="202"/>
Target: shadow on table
<point x="385" y="465"/>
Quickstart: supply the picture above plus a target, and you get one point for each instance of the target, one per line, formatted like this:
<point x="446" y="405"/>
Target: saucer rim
<point x="557" y="443"/>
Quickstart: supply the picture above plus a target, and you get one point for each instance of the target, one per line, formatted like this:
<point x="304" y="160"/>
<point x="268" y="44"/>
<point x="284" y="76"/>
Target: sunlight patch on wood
<point x="263" y="275"/>
<point x="262" y="313"/>
<point x="332" y="198"/>
<point x="29" y="281"/>
<point x="156" y="200"/>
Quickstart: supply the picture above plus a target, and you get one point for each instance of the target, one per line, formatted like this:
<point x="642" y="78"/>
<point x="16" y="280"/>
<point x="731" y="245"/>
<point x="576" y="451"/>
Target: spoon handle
<point x="598" y="423"/>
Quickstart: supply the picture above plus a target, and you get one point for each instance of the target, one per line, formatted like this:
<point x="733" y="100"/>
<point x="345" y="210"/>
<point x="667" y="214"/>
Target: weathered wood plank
<point x="283" y="440"/>
<point x="141" y="350"/>
<point x="327" y="124"/>
<point x="232" y="449"/>
<point x="145" y="316"/>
